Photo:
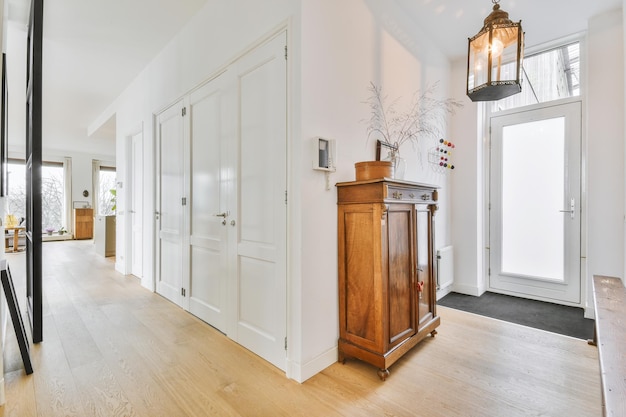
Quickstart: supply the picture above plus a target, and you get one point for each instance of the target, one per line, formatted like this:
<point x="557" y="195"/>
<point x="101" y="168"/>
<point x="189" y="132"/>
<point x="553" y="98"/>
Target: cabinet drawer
<point x="409" y="195"/>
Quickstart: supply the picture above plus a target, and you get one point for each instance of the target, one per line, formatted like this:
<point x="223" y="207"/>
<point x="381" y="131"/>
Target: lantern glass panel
<point x="504" y="49"/>
<point x="478" y="61"/>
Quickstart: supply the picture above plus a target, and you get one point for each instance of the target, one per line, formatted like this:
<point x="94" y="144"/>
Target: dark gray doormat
<point x="555" y="318"/>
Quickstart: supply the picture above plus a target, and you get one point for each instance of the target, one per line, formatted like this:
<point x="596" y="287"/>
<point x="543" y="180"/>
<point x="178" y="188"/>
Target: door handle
<point x="572" y="208"/>
<point x="224" y="214"/>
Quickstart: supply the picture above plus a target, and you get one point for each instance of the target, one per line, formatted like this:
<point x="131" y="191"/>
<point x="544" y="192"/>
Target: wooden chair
<point x="9" y="236"/>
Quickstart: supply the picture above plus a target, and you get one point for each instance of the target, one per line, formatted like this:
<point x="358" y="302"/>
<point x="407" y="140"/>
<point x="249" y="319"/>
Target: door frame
<point x="128" y="226"/>
<point x="584" y="278"/>
<point x="175" y="107"/>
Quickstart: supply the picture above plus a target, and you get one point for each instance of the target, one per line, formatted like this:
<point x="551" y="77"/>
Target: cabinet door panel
<point x="401" y="293"/>
<point x="424" y="258"/>
<point x="361" y="289"/>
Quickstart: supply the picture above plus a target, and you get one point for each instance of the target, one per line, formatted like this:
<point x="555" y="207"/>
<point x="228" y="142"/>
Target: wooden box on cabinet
<point x="83" y="223"/>
<point x="386" y="269"/>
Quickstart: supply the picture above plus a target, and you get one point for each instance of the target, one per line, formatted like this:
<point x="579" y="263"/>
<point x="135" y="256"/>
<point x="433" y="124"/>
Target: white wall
<point x="82" y="178"/>
<point x="336" y="49"/>
<point x="345" y="45"/>
<point x="605" y="145"/>
<point x="467" y="187"/>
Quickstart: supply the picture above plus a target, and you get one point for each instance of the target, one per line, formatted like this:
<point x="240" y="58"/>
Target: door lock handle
<point x="224" y="214"/>
<point x="572" y="208"/>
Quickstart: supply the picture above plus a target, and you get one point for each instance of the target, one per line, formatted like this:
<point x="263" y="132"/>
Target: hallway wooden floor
<point x="112" y="348"/>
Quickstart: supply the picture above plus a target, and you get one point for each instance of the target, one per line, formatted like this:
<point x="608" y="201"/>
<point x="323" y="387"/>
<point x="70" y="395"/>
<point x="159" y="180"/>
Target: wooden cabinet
<point x="386" y="269"/>
<point x="83" y="223"/>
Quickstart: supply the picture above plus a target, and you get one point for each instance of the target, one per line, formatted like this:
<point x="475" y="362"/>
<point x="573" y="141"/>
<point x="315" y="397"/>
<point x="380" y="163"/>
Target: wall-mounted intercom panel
<point x="324" y="151"/>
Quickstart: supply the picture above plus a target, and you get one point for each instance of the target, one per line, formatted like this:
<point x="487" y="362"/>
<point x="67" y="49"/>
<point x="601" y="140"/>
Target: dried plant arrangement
<point x="425" y="117"/>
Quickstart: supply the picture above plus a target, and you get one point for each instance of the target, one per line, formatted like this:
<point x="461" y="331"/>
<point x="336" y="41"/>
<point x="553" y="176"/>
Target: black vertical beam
<point x="34" y="288"/>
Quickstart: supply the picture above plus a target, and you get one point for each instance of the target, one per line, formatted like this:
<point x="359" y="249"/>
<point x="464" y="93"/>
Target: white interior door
<point x="136" y="205"/>
<point x="212" y="119"/>
<point x="260" y="215"/>
<point x="170" y="194"/>
<point x="223" y="257"/>
<point x="535" y="203"/>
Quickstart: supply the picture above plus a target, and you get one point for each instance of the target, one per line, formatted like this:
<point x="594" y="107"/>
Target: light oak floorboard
<point x="112" y="348"/>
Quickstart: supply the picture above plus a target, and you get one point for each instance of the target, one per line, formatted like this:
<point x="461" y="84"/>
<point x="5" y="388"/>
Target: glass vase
<point x="399" y="165"/>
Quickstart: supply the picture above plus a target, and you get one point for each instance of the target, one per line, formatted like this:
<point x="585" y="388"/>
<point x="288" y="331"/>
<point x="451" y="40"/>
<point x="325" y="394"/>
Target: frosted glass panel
<point x="533" y="187"/>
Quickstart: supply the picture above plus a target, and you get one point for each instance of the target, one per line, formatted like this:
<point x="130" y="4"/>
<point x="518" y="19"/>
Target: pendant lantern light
<point x="494" y="58"/>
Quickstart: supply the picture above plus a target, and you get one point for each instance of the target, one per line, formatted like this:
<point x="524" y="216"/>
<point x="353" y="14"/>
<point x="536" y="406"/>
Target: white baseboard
<point x="442" y="292"/>
<point x="56" y="236"/>
<point x="468" y="290"/>
<point x="301" y="373"/>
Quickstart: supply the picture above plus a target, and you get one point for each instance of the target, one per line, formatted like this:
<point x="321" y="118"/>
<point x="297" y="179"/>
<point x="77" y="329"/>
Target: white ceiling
<point x="93" y="49"/>
<point x="451" y="22"/>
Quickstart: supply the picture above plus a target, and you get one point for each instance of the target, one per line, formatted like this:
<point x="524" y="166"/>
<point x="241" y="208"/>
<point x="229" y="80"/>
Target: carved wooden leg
<point x="341" y="358"/>
<point x="383" y="374"/>
<point x="433" y="333"/>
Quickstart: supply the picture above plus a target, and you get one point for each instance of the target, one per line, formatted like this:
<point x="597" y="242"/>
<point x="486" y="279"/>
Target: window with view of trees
<point x="52" y="191"/>
<point x="106" y="191"/>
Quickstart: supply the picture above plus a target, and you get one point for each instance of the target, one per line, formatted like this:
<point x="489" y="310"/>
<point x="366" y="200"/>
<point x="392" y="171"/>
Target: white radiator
<point x="445" y="267"/>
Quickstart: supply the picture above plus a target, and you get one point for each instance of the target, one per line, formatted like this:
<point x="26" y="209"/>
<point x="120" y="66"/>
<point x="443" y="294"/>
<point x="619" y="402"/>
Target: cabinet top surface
<point x="388" y="181"/>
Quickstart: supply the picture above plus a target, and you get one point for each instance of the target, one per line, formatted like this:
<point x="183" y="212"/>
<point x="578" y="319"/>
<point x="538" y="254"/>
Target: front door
<point x="535" y="203"/>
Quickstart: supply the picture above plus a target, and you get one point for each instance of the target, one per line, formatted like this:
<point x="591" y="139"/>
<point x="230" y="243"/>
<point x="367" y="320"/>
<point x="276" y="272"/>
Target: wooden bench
<point x="610" y="337"/>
